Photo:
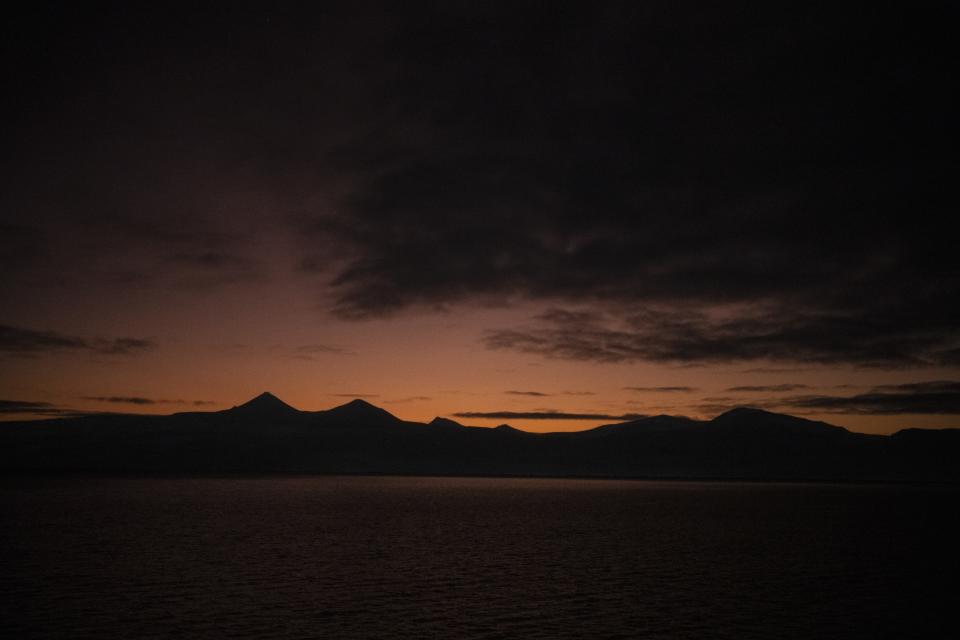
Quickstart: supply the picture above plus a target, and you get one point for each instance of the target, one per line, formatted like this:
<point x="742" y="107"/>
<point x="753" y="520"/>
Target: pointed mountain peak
<point x="265" y="404"/>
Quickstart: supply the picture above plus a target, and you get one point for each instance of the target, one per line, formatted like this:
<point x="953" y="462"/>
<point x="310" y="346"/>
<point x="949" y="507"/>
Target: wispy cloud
<point x="932" y="386"/>
<point x="535" y="394"/>
<point x="29" y="342"/>
<point x="940" y="397"/>
<point x="25" y="406"/>
<point x="310" y="350"/>
<point x="409" y="399"/>
<point x="661" y="389"/>
<point x="140" y="400"/>
<point x="207" y="267"/>
<point x="354" y="395"/>
<point x="126" y="400"/>
<point x="692" y="336"/>
<point x="576" y="185"/>
<point x="39" y="409"/>
<point x="771" y="388"/>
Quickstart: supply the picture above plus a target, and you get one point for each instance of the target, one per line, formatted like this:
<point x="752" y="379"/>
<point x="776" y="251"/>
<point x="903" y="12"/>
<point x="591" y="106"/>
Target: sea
<point x="411" y="557"/>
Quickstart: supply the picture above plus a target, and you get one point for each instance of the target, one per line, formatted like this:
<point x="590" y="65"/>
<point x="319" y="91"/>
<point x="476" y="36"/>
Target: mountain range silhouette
<point x="266" y="435"/>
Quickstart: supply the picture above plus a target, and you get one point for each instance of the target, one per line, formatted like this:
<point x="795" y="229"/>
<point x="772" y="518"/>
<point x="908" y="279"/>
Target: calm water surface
<point x="371" y="557"/>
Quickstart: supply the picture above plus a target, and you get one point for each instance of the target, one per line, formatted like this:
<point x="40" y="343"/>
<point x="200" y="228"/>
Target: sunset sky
<point x="556" y="215"/>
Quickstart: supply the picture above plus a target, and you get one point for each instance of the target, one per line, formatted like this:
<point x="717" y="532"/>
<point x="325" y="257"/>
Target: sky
<point x="551" y="214"/>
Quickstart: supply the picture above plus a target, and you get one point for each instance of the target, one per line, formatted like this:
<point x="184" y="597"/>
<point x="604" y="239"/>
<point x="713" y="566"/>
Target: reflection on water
<point x="359" y="557"/>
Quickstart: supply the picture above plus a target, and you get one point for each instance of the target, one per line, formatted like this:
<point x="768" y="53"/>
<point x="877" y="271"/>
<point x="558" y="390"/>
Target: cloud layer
<point x="739" y="200"/>
<point x="771" y="184"/>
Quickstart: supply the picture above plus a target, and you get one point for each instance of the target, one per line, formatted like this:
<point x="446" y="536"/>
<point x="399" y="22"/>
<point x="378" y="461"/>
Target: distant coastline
<point x="266" y="436"/>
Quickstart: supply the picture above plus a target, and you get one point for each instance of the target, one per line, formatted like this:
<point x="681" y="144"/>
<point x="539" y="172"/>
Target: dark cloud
<point x="319" y="348"/>
<point x="310" y="350"/>
<point x="122" y="246"/>
<point x="409" y="399"/>
<point x="122" y="346"/>
<point x="775" y="388"/>
<point x="47" y="409"/>
<point x="932" y="386"/>
<point x="211" y="261"/>
<point x="145" y="401"/>
<point x="941" y="397"/>
<point x="661" y="389"/>
<point x="579" y="393"/>
<point x="127" y="400"/>
<point x="891" y="339"/>
<point x="599" y="177"/>
<point x="202" y="267"/>
<point x="745" y="186"/>
<point x="765" y="184"/>
<point x="546" y="415"/>
<point x="29" y="342"/>
<point x="39" y="409"/>
<point x="938" y="398"/>
<point x="23" y="406"/>
<point x="536" y="394"/>
<point x="354" y="395"/>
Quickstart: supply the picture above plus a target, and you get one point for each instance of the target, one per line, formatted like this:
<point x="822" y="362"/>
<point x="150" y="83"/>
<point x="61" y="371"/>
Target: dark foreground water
<point x="369" y="557"/>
